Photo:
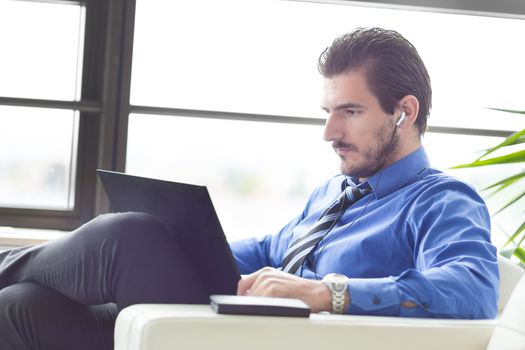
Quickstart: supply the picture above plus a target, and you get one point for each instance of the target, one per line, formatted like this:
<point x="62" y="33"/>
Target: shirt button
<point x="376" y="301"/>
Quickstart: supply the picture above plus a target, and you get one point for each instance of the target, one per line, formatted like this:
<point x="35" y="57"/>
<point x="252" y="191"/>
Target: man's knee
<point x="127" y="241"/>
<point x="130" y="228"/>
<point x="129" y="222"/>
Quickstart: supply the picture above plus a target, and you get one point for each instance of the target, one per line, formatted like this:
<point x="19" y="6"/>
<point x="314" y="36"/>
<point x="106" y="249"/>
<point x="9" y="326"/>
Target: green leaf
<point x="520" y="254"/>
<point x="515" y="157"/>
<point x="505" y="182"/>
<point x="515" y="234"/>
<point x="511" y="202"/>
<point x="514" y="139"/>
<point x="517" y="238"/>
<point x="520" y="241"/>
<point x="508" y="110"/>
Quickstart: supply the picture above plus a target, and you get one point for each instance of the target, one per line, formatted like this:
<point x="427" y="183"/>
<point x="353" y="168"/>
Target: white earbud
<point x="401" y="118"/>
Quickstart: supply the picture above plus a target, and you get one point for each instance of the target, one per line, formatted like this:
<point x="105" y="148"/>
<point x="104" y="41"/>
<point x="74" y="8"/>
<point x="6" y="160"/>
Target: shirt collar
<point x="399" y="174"/>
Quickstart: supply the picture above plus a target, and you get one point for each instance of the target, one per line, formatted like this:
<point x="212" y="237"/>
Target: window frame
<point x="502" y="8"/>
<point x="98" y="107"/>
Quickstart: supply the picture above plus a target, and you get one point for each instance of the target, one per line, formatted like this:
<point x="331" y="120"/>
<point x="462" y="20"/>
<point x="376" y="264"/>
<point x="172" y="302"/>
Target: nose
<point x="333" y="130"/>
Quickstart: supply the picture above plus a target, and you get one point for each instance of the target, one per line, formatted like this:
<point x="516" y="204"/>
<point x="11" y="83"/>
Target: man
<point x="388" y="236"/>
<point x="418" y="243"/>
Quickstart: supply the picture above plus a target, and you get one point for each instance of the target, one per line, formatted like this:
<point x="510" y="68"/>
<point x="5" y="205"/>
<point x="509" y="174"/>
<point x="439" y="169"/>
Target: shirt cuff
<point x="373" y="296"/>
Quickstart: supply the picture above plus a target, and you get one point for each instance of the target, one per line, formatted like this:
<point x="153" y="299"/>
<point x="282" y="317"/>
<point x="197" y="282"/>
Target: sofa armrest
<point x="163" y="327"/>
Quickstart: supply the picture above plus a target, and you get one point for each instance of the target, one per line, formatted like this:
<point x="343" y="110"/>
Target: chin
<point x="348" y="171"/>
<point x="356" y="171"/>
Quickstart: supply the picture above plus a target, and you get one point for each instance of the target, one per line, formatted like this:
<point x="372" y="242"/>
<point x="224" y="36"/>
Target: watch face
<point x="339" y="287"/>
<point x="335" y="278"/>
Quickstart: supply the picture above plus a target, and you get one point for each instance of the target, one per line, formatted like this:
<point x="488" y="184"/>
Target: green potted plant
<point x="512" y="150"/>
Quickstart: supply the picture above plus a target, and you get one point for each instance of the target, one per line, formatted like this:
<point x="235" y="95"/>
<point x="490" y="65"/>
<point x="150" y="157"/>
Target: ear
<point x="410" y="105"/>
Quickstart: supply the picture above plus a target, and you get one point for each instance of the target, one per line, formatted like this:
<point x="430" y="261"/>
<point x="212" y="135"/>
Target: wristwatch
<point x="337" y="284"/>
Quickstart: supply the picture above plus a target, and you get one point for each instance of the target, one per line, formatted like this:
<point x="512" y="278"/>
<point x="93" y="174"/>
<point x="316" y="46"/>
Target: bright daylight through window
<point x="38" y="145"/>
<point x="260" y="57"/>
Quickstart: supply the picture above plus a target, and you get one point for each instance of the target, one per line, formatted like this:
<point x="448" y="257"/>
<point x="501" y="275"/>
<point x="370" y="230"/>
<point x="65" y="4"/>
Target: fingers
<point x="269" y="282"/>
<point x="251" y="284"/>
<point x="245" y="283"/>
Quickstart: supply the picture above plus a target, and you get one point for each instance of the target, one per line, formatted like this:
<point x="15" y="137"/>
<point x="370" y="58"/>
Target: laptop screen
<point x="187" y="212"/>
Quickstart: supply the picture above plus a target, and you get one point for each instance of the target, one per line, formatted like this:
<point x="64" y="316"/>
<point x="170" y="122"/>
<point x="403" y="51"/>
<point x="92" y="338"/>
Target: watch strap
<point x="338" y="287"/>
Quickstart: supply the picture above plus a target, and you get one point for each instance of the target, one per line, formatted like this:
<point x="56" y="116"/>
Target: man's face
<point x="362" y="134"/>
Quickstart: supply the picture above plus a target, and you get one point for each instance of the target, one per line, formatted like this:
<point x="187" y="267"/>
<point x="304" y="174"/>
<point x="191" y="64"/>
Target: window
<point x="228" y="97"/>
<point x="49" y="111"/>
<point x="239" y="92"/>
<point x="37" y="157"/>
<point x="38" y="146"/>
<point x="245" y="164"/>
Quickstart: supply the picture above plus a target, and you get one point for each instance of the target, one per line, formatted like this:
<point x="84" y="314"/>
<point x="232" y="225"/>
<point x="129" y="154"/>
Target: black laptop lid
<point x="187" y="211"/>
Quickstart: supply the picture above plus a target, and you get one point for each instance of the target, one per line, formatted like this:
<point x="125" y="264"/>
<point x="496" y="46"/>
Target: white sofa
<point x="163" y="326"/>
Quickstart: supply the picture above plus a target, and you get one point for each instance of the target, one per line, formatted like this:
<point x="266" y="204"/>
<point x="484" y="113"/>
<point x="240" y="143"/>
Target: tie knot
<point x="301" y="247"/>
<point x="355" y="192"/>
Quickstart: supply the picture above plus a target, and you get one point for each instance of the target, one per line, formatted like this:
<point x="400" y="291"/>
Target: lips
<point x="342" y="148"/>
<point x="341" y="151"/>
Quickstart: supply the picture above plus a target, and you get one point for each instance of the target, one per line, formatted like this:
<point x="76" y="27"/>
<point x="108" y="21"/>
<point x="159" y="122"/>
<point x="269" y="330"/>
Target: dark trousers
<point x="66" y="294"/>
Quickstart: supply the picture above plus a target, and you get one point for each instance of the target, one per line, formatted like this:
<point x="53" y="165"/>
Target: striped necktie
<point x="302" y="246"/>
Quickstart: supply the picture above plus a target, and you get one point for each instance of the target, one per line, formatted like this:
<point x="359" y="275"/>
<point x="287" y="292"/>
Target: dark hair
<point x="391" y="64"/>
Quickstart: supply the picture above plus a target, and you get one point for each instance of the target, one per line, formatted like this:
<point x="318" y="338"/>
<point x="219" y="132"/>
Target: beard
<point x="374" y="157"/>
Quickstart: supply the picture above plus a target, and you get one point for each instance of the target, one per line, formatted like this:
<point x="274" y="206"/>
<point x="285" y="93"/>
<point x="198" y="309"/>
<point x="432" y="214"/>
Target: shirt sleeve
<point x="253" y="254"/>
<point x="455" y="272"/>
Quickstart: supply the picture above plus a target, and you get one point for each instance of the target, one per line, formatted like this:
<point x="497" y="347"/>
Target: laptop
<point x="187" y="212"/>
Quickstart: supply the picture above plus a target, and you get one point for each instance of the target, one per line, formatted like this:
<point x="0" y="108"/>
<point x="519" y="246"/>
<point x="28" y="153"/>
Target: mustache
<point x="340" y="144"/>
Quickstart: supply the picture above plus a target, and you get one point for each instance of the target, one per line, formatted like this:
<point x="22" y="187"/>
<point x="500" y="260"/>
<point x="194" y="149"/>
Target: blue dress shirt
<point x="420" y="236"/>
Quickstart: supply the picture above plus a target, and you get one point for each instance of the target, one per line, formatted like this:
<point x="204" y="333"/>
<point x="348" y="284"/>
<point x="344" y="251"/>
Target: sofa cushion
<point x="510" y="331"/>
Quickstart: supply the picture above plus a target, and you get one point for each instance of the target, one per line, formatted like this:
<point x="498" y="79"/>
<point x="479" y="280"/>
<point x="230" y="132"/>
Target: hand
<point x="269" y="282"/>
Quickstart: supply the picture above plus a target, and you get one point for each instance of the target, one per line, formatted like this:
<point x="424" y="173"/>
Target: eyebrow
<point x="345" y="106"/>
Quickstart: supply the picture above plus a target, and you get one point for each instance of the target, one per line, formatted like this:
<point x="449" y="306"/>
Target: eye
<point x="351" y="112"/>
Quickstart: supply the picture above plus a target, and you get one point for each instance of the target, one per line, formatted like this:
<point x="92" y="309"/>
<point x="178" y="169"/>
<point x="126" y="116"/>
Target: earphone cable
<point x="327" y="241"/>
